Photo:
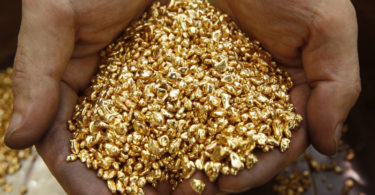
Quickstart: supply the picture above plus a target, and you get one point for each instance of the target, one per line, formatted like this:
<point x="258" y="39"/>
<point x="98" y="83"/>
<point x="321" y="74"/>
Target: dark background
<point x="361" y="134"/>
<point x="362" y="118"/>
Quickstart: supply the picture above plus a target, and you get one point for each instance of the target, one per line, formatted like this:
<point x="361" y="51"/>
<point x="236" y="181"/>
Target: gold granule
<point x="197" y="185"/>
<point x="349" y="183"/>
<point x="350" y="155"/>
<point x="23" y="190"/>
<point x="183" y="89"/>
<point x="296" y="182"/>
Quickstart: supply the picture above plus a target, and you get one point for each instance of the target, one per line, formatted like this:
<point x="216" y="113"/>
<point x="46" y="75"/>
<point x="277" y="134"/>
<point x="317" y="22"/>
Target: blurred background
<point x="359" y="139"/>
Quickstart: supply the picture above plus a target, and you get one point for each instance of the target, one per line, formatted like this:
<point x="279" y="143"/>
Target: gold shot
<point x="183" y="89"/>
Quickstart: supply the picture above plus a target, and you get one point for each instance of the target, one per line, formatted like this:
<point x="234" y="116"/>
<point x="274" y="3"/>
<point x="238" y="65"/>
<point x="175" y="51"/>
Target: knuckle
<point x="57" y="11"/>
<point x="325" y="20"/>
<point x="63" y="9"/>
<point x="20" y="65"/>
<point x="323" y="23"/>
<point x="19" y="72"/>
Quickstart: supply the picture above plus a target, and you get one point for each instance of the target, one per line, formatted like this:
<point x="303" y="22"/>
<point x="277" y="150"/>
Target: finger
<point x="79" y="72"/>
<point x="95" y="33"/>
<point x="331" y="66"/>
<point x="270" y="163"/>
<point x="163" y="188"/>
<point x="74" y="177"/>
<point x="272" y="23"/>
<point x="46" y="40"/>
<point x="149" y="190"/>
<point x="185" y="188"/>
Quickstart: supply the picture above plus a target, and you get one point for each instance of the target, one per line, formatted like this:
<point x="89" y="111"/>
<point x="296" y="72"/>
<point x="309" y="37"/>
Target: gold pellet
<point x="183" y="89"/>
<point x="197" y="185"/>
<point x="350" y="155"/>
<point x="295" y="182"/>
<point x="23" y="190"/>
<point x="349" y="184"/>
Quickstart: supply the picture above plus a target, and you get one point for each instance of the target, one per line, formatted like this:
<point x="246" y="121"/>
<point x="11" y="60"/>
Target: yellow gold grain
<point x="181" y="90"/>
<point x="197" y="185"/>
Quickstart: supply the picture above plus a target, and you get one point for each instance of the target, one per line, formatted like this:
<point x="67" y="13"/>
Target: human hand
<point x="316" y="43"/>
<point x="56" y="57"/>
<point x="64" y="56"/>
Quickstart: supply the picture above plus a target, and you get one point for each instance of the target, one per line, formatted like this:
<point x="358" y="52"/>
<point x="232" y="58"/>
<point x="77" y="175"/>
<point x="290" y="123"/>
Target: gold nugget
<point x="183" y="89"/>
<point x="197" y="185"/>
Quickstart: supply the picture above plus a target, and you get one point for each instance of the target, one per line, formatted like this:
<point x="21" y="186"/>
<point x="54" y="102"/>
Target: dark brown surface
<point x="361" y="135"/>
<point x="362" y="118"/>
<point x="10" y="18"/>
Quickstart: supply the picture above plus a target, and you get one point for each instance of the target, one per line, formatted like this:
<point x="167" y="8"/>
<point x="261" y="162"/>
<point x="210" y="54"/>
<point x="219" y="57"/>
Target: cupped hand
<point x="315" y="41"/>
<point x="57" y="55"/>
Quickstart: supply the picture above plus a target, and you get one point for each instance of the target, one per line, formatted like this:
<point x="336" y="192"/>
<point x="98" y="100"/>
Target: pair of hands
<point x="314" y="41"/>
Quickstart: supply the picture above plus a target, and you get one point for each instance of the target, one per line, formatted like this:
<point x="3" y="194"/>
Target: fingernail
<point x="14" y="124"/>
<point x="338" y="135"/>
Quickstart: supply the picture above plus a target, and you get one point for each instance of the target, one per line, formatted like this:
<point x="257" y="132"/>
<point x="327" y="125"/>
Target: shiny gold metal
<point x="197" y="185"/>
<point x="183" y="89"/>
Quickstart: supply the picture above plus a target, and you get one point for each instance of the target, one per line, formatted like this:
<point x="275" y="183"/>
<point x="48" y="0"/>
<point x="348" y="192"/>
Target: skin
<point x="314" y="40"/>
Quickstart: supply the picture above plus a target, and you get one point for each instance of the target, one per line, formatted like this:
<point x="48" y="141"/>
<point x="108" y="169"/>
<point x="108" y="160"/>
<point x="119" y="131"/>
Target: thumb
<point x="46" y="40"/>
<point x="332" y="70"/>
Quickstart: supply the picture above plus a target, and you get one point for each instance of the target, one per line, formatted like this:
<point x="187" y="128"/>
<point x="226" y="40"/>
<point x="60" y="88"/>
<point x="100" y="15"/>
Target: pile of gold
<point x="10" y="160"/>
<point x="182" y="90"/>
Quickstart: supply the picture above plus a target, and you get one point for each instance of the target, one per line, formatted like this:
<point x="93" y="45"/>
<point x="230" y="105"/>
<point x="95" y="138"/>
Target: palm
<point x="283" y="38"/>
<point x="284" y="33"/>
<point x="272" y="162"/>
<point x="99" y="23"/>
<point x="289" y="34"/>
